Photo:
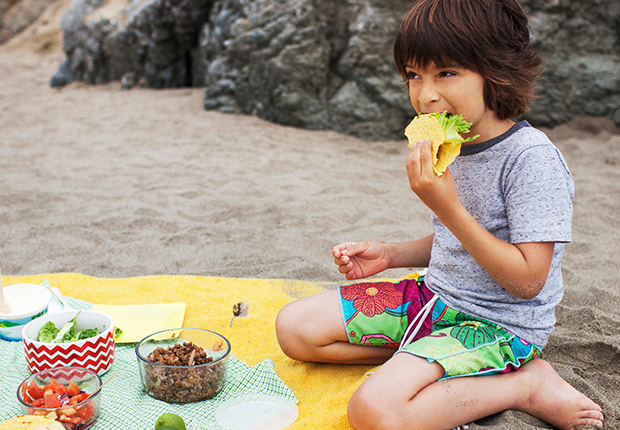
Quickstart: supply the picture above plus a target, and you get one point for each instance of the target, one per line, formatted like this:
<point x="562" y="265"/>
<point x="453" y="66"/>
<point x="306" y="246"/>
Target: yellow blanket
<point x="323" y="390"/>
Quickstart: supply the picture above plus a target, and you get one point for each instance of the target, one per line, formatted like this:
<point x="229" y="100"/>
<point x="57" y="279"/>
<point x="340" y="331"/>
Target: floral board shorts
<point x="378" y="313"/>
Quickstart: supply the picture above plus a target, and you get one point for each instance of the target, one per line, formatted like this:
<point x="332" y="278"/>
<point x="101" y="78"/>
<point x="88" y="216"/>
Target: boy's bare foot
<point x="555" y="401"/>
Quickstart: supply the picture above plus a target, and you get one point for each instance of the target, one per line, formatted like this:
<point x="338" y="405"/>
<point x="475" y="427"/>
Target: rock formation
<point x="16" y="15"/>
<point x="322" y="64"/>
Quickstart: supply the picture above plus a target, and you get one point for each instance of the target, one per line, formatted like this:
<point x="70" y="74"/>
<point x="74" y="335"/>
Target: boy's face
<point x="457" y="90"/>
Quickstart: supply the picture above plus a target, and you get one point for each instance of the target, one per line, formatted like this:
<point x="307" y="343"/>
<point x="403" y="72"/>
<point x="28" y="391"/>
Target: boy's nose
<point x="428" y="95"/>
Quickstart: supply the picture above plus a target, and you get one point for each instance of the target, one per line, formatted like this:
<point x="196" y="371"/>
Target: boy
<point x="501" y="215"/>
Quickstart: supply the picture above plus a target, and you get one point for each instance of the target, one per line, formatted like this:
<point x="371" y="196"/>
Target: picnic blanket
<point x="257" y="365"/>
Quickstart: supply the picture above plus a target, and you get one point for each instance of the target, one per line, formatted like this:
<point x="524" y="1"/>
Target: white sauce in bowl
<point x="24" y="299"/>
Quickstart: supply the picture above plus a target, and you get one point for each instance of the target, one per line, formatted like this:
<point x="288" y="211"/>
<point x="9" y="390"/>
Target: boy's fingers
<point x="356" y="248"/>
<point x="340" y="250"/>
<point x="415" y="160"/>
<point x="426" y="157"/>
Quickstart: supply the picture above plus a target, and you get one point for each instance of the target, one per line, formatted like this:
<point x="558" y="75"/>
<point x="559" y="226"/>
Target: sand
<point x="113" y="183"/>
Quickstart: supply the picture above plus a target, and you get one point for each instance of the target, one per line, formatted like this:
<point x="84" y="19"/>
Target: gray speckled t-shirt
<point x="519" y="188"/>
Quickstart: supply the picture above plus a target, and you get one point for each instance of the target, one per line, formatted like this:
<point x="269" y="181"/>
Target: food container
<point x="28" y="302"/>
<point x="94" y="353"/>
<point x="183" y="365"/>
<point x="76" y="411"/>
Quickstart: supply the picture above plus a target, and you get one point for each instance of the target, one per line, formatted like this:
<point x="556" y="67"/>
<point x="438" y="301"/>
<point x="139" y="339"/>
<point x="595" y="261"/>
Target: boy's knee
<point x="365" y="411"/>
<point x="286" y="331"/>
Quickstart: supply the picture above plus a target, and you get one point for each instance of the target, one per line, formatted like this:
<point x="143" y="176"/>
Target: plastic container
<point x="30" y="301"/>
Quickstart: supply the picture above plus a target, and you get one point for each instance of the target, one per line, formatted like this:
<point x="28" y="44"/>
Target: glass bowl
<point x="183" y="365"/>
<point x="50" y="391"/>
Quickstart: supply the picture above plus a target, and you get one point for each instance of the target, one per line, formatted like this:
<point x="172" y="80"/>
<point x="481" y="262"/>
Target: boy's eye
<point x="447" y="73"/>
<point x="412" y="75"/>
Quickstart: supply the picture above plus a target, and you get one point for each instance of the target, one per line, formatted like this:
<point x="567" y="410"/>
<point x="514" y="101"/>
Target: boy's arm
<point x="357" y="260"/>
<point x="416" y="253"/>
<point x="521" y="268"/>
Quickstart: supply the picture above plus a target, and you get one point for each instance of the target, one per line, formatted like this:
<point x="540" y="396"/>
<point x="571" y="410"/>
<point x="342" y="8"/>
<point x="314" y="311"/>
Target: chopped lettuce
<point x="48" y="332"/>
<point x="86" y="333"/>
<point x="67" y="333"/>
<point x="453" y="126"/>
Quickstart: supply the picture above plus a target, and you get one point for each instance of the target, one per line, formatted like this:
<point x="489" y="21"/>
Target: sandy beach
<point x="113" y="183"/>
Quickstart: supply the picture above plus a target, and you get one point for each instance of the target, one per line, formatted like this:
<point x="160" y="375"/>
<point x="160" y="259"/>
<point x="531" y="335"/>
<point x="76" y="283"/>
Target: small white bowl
<point x="95" y="353"/>
<point x="31" y="301"/>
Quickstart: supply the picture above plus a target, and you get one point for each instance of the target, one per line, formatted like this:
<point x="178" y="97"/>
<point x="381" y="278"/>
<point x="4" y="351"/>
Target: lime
<point x="170" y="422"/>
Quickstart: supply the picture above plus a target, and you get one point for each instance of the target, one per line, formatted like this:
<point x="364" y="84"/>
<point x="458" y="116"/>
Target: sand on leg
<point x="411" y="399"/>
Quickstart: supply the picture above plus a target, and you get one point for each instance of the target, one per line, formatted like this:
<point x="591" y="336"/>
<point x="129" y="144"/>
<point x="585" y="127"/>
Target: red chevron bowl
<point x="75" y="412"/>
<point x="95" y="353"/>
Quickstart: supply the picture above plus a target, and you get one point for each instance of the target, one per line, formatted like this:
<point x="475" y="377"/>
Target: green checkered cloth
<point x="123" y="402"/>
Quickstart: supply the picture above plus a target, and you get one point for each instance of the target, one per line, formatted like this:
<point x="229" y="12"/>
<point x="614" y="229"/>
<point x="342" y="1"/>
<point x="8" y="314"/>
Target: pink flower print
<point x="372" y="298"/>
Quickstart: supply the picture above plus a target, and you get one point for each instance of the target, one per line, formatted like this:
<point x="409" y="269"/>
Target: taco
<point x="443" y="130"/>
<point x="31" y="422"/>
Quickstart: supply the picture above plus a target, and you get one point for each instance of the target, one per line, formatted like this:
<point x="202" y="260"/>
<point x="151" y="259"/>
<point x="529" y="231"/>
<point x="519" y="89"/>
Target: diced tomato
<point x="59" y="389"/>
<point x="80" y="397"/>
<point x="69" y="420"/>
<point x="34" y="391"/>
<point x="51" y="400"/>
<point x="24" y="391"/>
<point x="53" y="384"/>
<point x="38" y="403"/>
<point x="73" y="389"/>
<point x="49" y="397"/>
<point x="87" y="412"/>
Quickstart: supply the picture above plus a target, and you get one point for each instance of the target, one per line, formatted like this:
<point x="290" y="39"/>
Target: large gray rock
<point x="323" y="64"/>
<point x="151" y="39"/>
<point x="308" y="64"/>
<point x="580" y="41"/>
<point x="16" y="15"/>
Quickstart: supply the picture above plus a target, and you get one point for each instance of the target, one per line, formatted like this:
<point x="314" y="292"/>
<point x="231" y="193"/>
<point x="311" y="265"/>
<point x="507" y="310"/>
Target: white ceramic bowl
<point x="95" y="353"/>
<point x="30" y="300"/>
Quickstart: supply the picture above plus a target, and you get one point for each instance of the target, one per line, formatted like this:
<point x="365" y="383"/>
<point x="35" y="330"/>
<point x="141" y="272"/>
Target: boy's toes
<point x="590" y="420"/>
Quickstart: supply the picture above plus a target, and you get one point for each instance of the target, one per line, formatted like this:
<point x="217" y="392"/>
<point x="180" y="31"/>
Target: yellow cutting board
<point x="139" y="321"/>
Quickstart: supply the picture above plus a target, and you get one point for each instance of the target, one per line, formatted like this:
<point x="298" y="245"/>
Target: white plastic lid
<point x="257" y="413"/>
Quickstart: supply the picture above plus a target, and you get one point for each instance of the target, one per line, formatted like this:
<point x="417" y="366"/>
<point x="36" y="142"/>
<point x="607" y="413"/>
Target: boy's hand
<point x="358" y="260"/>
<point x="437" y="192"/>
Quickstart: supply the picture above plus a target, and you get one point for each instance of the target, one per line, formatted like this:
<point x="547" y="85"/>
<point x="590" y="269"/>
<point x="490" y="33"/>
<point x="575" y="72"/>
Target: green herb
<point x="48" y="332"/>
<point x="117" y="332"/>
<point x="86" y="333"/>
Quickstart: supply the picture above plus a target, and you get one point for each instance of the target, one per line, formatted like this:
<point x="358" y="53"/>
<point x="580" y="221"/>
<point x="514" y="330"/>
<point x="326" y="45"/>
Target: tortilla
<point x="427" y="127"/>
<point x="31" y="422"/>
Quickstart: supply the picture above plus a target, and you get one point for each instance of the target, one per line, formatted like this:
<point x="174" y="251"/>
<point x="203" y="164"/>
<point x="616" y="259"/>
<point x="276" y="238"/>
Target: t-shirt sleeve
<point x="539" y="190"/>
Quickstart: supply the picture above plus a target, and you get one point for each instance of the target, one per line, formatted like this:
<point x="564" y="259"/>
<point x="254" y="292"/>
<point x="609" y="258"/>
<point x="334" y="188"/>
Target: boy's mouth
<point x="448" y="114"/>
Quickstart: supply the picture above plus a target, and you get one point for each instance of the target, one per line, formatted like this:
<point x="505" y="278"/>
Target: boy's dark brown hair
<point x="490" y="37"/>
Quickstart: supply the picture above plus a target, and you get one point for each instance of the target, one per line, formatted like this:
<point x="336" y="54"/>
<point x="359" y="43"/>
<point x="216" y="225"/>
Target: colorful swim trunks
<point x="378" y="314"/>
